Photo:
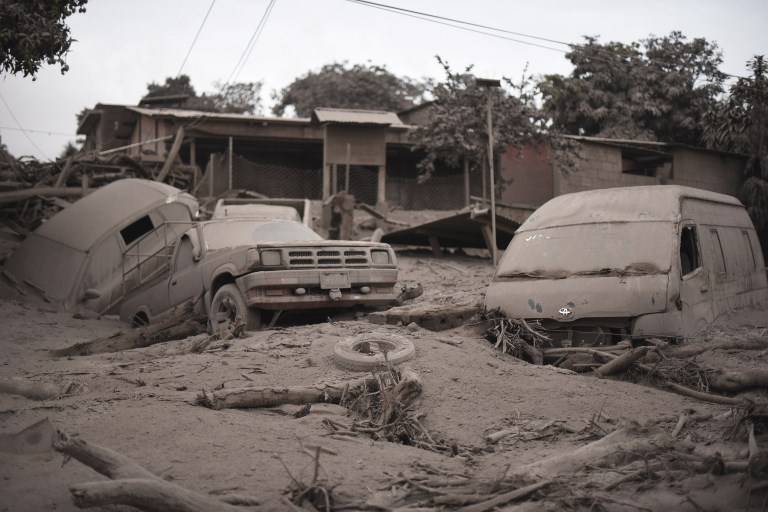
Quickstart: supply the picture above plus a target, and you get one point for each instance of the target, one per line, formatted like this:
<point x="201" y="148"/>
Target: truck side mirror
<point x="90" y="294"/>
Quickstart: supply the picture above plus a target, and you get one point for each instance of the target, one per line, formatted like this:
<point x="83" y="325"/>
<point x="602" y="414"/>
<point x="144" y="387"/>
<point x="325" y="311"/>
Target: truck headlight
<point x="271" y="258"/>
<point x="380" y="257"/>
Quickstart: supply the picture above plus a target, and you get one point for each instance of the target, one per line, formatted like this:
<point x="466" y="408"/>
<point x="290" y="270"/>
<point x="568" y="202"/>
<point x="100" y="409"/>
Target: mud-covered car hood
<point x="578" y="297"/>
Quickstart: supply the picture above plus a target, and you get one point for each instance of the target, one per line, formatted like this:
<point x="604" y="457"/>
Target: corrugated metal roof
<point x="350" y="116"/>
<point x="180" y="113"/>
<point x="624" y="204"/>
<point x="650" y="144"/>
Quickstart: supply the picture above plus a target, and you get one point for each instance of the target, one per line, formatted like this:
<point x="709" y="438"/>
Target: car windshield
<point x="237" y="233"/>
<point x="619" y="248"/>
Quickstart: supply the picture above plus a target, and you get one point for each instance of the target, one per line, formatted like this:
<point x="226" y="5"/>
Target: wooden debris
<point x="180" y="325"/>
<point x="435" y="317"/>
<point x="131" y="483"/>
<point x="623" y="362"/>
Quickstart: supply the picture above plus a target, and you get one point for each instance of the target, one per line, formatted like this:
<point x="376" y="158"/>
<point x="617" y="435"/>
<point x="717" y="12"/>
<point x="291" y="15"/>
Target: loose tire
<point x="366" y="352"/>
<point x="228" y="308"/>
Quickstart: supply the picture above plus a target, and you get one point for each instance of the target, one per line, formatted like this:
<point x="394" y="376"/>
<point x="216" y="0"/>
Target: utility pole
<point x="491" y="84"/>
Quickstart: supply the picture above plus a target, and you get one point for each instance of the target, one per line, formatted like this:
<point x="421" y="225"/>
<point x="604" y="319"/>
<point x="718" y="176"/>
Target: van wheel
<point x="228" y="309"/>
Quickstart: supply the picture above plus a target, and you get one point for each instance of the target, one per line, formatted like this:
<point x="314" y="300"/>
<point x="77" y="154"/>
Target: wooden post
<point x="326" y="168"/>
<point x="466" y="182"/>
<point x="334" y="178"/>
<point x="381" y="189"/>
<point x="494" y="251"/>
<point x="171" y="155"/>
<point x="346" y="176"/>
<point x="229" y="162"/>
<point x="193" y="161"/>
<point x="209" y="172"/>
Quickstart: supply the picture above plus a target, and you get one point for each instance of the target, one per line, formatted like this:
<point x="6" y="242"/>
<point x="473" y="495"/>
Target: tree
<point x="457" y="129"/>
<point x="173" y="85"/>
<point x="740" y="124"/>
<point x="363" y="86"/>
<point x="657" y="89"/>
<point x="33" y="32"/>
<point x="68" y="150"/>
<point x="234" y="98"/>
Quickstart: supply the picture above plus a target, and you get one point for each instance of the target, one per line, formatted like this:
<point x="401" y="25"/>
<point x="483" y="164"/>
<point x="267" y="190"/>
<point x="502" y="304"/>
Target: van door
<point x="695" y="282"/>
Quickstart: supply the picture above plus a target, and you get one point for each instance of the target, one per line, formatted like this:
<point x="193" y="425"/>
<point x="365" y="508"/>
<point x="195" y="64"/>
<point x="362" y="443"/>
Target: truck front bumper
<point x="281" y="289"/>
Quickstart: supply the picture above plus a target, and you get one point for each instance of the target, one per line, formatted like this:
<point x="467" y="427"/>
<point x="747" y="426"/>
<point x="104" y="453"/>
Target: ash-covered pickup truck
<point x="239" y="268"/>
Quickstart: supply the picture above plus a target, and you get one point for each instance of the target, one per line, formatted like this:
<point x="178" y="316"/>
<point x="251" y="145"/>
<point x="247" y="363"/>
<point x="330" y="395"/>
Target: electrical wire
<point x="46" y="132"/>
<point x="21" y="128"/>
<point x="194" y="40"/>
<point x="246" y="53"/>
<point x="442" y="20"/>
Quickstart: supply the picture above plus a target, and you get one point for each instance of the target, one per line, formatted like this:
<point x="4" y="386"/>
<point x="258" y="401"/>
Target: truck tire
<point x="228" y="307"/>
<point x="366" y="352"/>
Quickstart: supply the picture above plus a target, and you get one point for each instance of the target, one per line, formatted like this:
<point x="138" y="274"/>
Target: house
<point x="372" y="155"/>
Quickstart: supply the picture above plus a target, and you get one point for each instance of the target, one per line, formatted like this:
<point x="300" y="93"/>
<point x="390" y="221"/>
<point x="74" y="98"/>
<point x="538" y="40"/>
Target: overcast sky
<point x="123" y="45"/>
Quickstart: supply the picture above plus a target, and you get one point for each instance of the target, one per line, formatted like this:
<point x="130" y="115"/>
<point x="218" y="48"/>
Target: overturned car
<point x="239" y="268"/>
<point x="599" y="266"/>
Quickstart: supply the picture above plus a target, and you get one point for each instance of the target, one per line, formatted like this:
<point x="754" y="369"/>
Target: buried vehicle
<point x="595" y="267"/>
<point x="237" y="268"/>
<point x="93" y="252"/>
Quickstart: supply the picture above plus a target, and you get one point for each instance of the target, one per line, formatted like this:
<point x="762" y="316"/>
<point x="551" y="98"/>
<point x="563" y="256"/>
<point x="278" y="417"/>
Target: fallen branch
<point x="131" y="483"/>
<point x="256" y="397"/>
<point x="623" y="362"/>
<point x="178" y="326"/>
<point x="506" y="497"/>
<point x="733" y="381"/>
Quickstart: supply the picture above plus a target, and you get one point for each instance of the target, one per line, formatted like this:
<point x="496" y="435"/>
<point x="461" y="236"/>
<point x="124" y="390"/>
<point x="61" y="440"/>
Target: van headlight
<point x="380" y="257"/>
<point x="271" y="258"/>
<point x="252" y="258"/>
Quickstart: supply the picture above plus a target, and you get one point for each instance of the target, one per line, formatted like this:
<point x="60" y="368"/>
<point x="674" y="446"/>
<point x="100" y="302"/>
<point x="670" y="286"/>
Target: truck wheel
<point x="228" y="308"/>
<point x="366" y="352"/>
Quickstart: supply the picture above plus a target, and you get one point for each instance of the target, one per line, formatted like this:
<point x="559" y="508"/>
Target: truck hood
<point x="578" y="297"/>
<point x="322" y="243"/>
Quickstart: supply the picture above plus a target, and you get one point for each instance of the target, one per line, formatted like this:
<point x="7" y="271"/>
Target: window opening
<point x="689" y="250"/>
<point x="136" y="230"/>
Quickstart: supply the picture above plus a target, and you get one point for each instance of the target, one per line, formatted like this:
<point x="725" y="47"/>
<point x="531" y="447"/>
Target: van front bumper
<point x="282" y="289"/>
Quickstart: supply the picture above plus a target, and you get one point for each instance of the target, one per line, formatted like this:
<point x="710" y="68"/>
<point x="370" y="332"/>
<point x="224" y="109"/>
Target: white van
<point x="96" y="250"/>
<point x="595" y="267"/>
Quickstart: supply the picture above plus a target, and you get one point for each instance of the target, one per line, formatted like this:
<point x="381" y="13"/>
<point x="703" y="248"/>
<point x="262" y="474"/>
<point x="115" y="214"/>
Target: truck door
<point x="186" y="280"/>
<point x="695" y="282"/>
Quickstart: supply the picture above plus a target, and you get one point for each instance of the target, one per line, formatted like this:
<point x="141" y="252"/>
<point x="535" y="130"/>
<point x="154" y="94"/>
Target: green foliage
<point x="234" y="98"/>
<point x="457" y="129"/>
<point x="173" y="85"/>
<point x="740" y="123"/>
<point x="360" y="86"/>
<point x="68" y="150"/>
<point x="33" y="32"/>
<point x="659" y="88"/>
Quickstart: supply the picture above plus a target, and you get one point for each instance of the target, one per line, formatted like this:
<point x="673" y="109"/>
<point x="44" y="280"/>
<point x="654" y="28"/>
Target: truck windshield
<point x="620" y="248"/>
<point x="238" y="233"/>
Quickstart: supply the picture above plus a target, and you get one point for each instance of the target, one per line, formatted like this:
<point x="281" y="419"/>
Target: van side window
<point x="717" y="252"/>
<point x="136" y="230"/>
<point x="749" y="248"/>
<point x="689" y="250"/>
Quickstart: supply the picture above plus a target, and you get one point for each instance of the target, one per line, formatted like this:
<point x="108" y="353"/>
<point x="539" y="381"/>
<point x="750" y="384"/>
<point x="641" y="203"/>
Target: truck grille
<point x="328" y="257"/>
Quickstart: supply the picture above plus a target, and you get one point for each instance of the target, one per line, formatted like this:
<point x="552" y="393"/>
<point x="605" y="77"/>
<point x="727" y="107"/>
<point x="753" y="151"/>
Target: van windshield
<point x="617" y="248"/>
<point x="237" y="233"/>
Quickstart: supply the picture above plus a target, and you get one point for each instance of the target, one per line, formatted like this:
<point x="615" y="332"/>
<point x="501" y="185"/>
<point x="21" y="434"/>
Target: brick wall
<point x="708" y="170"/>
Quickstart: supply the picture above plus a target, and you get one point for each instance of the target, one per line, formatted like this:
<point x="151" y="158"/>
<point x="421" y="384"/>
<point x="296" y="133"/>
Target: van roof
<point x="625" y="204"/>
<point x="83" y="223"/>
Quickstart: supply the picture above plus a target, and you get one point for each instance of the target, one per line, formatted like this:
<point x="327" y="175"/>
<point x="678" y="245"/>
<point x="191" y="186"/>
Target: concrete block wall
<point x="599" y="167"/>
<point x="708" y="170"/>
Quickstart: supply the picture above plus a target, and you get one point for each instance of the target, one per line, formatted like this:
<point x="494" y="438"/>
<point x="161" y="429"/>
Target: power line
<point x="194" y="40"/>
<point x="21" y="128"/>
<point x="437" y="20"/>
<point x="478" y="25"/>
<point x="251" y="43"/>
<point x="442" y="20"/>
<point x="46" y="132"/>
